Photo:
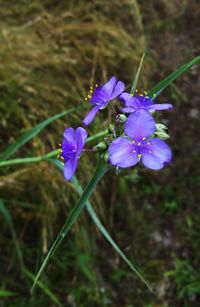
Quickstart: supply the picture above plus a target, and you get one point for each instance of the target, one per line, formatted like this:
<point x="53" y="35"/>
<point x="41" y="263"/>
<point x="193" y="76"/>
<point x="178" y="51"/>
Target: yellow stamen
<point x="149" y="143"/>
<point x="134" y="150"/>
<point x="139" y="156"/>
<point x="143" y="139"/>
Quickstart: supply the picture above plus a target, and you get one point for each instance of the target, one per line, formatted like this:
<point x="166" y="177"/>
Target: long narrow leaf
<point x="30" y="159"/>
<point x="6" y="293"/>
<point x="4" y="211"/>
<point x="133" y="88"/>
<point x="156" y="90"/>
<point x="101" y="169"/>
<point x="44" y="288"/>
<point x="100" y="226"/>
<point x="103" y="230"/>
<point x="28" y="135"/>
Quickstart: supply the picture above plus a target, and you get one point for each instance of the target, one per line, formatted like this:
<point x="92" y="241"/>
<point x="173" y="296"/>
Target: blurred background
<point x="50" y="53"/>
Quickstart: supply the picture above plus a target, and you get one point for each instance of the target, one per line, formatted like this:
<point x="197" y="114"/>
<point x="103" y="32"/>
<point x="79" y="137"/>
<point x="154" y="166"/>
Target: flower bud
<point x="121" y="118"/>
<point x="162" y="135"/>
<point x="101" y="146"/>
<point x="111" y="128"/>
<point x="161" y="128"/>
<point x="104" y="156"/>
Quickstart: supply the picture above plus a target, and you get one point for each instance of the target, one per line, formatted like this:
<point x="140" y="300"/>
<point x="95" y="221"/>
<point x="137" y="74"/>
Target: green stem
<point x="30" y="159"/>
<point x="51" y="154"/>
<point x="97" y="136"/>
<point x="101" y="169"/>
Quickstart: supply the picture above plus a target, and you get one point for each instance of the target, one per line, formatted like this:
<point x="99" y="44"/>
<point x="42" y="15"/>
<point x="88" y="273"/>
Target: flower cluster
<point x="133" y="138"/>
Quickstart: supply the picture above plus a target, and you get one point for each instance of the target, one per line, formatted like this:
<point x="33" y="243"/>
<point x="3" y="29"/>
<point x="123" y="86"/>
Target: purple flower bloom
<point x="72" y="146"/>
<point x="153" y="152"/>
<point x="101" y="97"/>
<point x="135" y="103"/>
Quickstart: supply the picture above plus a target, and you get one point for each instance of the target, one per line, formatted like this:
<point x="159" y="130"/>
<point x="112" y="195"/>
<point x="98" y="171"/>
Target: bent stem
<point x="101" y="169"/>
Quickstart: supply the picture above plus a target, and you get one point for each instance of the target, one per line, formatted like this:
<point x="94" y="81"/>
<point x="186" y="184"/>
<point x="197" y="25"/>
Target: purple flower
<point x="71" y="148"/>
<point x="101" y="97"/>
<point x="125" y="152"/>
<point x="135" y="103"/>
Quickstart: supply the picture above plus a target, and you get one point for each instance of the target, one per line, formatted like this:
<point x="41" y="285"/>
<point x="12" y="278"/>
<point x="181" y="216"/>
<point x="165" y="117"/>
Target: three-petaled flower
<point x="125" y="152"/>
<point x="71" y="148"/>
<point x="138" y="102"/>
<point x="101" y="97"/>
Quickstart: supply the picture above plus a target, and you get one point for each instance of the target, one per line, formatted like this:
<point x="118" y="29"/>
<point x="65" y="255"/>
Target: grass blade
<point x="4" y="211"/>
<point x="28" y="135"/>
<point x="156" y="90"/>
<point x="100" y="226"/>
<point x="6" y="293"/>
<point x="133" y="88"/>
<point x="101" y="169"/>
<point x="106" y="234"/>
<point x="44" y="288"/>
<point x="30" y="159"/>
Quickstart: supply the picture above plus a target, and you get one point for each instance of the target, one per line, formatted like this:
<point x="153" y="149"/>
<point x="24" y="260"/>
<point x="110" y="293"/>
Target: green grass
<point x="51" y="52"/>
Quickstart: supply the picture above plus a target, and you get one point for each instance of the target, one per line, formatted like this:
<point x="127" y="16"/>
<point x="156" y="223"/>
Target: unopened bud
<point x="111" y="128"/>
<point x="105" y="156"/>
<point x="162" y="135"/>
<point x="121" y="118"/>
<point x="100" y="146"/>
<point x="161" y="128"/>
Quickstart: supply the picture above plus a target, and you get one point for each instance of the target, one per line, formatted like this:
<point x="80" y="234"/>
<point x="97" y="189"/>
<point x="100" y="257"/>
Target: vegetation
<point x="51" y="52"/>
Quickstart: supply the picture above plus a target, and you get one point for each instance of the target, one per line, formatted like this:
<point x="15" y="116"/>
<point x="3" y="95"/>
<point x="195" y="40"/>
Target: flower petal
<point x="128" y="110"/>
<point x="69" y="135"/>
<point x="129" y="100"/>
<point x="81" y="136"/>
<point x="109" y="86"/>
<point x="140" y="125"/>
<point x="160" y="106"/>
<point x="119" y="88"/>
<point x="69" y="146"/>
<point x="121" y="153"/>
<point x="155" y="154"/>
<point x="98" y="97"/>
<point x="70" y="167"/>
<point x="90" y="116"/>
